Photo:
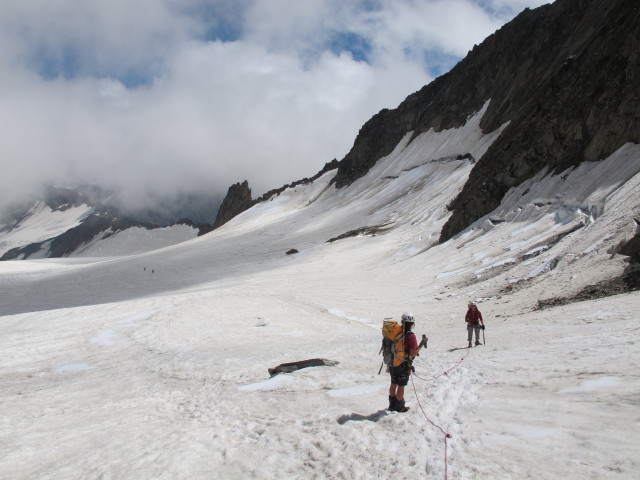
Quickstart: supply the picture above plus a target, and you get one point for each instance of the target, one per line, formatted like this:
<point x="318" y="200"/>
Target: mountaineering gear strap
<point x="398" y="350"/>
<point x="394" y="333"/>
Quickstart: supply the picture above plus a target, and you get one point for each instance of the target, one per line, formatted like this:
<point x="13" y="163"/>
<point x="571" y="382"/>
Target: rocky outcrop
<point x="565" y="76"/>
<point x="632" y="247"/>
<point x="293" y="366"/>
<point x="238" y="200"/>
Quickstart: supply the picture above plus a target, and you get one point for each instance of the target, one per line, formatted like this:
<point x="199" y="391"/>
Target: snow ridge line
<point x="446" y="434"/>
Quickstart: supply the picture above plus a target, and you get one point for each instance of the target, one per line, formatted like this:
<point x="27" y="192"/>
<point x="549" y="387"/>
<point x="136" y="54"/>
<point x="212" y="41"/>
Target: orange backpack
<point x="392" y="343"/>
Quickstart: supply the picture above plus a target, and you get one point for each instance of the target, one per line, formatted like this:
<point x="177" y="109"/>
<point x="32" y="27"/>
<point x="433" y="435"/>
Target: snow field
<point x="154" y="365"/>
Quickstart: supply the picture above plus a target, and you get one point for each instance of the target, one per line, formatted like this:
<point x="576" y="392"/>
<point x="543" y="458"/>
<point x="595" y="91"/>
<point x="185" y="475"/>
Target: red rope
<point x="446" y="434"/>
<point x="445" y="372"/>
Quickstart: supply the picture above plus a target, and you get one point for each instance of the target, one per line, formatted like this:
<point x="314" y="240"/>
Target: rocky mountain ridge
<point x="564" y="79"/>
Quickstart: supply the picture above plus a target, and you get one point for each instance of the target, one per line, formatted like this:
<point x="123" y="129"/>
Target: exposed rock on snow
<point x="361" y="231"/>
<point x="631" y="248"/>
<point x="293" y="366"/>
<point x="628" y="282"/>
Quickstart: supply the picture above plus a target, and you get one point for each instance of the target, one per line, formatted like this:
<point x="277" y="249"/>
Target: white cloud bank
<point x="170" y="96"/>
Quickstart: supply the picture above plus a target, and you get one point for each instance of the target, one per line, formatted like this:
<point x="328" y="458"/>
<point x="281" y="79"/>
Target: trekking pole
<point x="381" y="365"/>
<point x="484" y="342"/>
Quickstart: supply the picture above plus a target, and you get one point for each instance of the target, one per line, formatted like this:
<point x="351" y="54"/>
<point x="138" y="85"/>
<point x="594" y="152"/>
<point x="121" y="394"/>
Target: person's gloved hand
<point x="482" y="327"/>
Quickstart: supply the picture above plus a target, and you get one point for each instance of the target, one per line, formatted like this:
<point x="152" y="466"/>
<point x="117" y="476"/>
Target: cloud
<point x="165" y="96"/>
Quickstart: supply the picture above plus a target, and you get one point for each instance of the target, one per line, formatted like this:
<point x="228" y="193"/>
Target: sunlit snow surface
<point x="155" y="365"/>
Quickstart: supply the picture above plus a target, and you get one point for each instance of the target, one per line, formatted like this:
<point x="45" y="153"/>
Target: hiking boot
<point x="477" y="343"/>
<point x="469" y="345"/>
<point x="392" y="403"/>
<point x="400" y="407"/>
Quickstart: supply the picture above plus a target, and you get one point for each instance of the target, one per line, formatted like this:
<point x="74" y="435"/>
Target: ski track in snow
<point x="155" y="366"/>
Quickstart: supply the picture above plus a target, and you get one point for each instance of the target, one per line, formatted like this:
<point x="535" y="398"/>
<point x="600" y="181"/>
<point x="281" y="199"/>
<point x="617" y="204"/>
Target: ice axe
<point x="382" y="364"/>
<point x="484" y="342"/>
<point x="382" y="348"/>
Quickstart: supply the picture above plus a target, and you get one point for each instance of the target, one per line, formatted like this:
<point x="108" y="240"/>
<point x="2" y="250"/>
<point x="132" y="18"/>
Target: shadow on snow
<point x="373" y="417"/>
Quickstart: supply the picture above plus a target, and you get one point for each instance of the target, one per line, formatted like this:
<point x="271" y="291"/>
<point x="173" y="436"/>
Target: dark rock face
<point x="238" y="200"/>
<point x="567" y="78"/>
<point x="632" y="247"/>
<point x="293" y="366"/>
<point x="584" y="108"/>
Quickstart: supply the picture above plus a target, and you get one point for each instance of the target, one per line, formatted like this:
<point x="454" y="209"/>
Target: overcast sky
<point x="179" y="95"/>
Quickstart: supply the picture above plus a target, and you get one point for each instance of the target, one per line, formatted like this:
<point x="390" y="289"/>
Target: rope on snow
<point x="446" y="434"/>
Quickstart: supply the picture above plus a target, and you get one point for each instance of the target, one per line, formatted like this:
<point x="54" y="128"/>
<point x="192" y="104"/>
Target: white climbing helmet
<point x="408" y="318"/>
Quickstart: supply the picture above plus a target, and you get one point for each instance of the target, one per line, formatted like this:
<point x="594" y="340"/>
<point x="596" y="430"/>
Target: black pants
<point x="400" y="375"/>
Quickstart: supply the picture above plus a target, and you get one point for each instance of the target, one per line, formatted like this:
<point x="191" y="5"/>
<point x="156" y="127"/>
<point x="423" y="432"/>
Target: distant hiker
<point x="405" y="349"/>
<point x="474" y="323"/>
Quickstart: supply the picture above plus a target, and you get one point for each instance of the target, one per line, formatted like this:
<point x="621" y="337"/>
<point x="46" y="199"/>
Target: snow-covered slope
<point x="36" y="230"/>
<point x="39" y="224"/>
<point x="154" y="365"/>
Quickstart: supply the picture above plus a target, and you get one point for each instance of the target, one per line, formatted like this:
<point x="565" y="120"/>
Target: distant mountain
<point x="67" y="221"/>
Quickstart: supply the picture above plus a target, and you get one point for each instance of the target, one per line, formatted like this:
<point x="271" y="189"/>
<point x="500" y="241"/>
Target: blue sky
<point x="179" y="95"/>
